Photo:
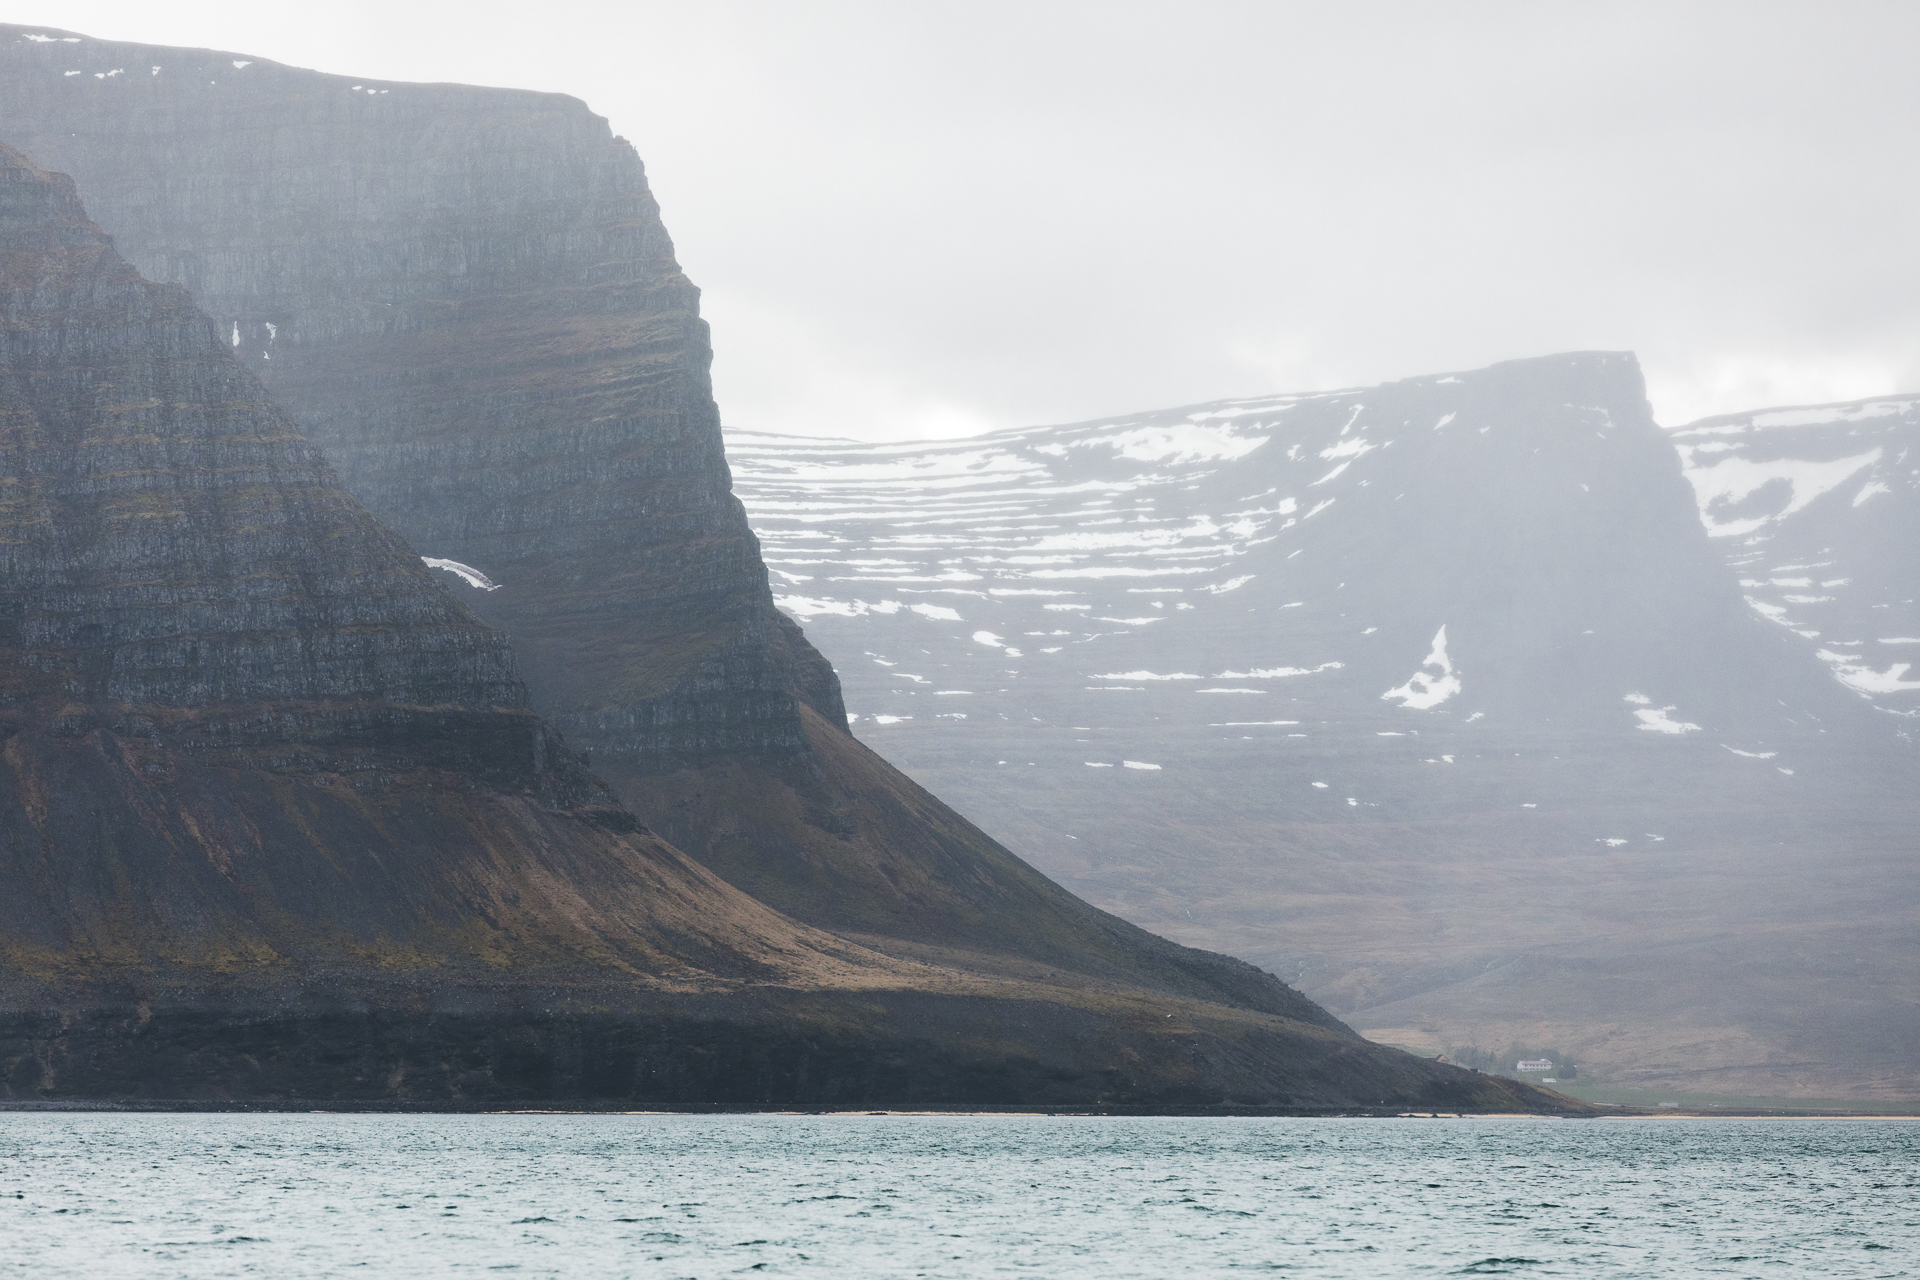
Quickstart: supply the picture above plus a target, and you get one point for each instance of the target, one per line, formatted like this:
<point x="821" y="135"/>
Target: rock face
<point x="276" y="820"/>
<point x="170" y="539"/>
<point x="466" y="298"/>
<point x="1434" y="697"/>
<point x="245" y="727"/>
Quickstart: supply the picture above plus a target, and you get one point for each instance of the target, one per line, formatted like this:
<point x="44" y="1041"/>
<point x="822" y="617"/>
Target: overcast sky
<point x="921" y="219"/>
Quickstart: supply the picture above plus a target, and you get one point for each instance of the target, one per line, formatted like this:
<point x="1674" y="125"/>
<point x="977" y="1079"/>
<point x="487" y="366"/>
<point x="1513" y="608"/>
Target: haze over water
<point x="952" y="1196"/>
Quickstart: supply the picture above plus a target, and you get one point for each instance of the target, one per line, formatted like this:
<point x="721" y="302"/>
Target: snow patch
<point x="1656" y="720"/>
<point x="465" y="572"/>
<point x="1814" y="417"/>
<point x="1856" y="675"/>
<point x="809" y="607"/>
<point x="1184" y="442"/>
<point x="1112" y="571"/>
<point x="1423" y="692"/>
<point x="1731" y="481"/>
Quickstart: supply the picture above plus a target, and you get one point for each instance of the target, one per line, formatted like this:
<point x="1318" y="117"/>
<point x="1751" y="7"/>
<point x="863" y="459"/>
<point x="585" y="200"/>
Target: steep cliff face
<point x="235" y="706"/>
<point x="466" y="298"/>
<point x="276" y="822"/>
<point x="170" y="539"/>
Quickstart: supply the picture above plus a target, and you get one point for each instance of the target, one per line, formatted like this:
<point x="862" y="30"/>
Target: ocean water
<point x="93" y="1195"/>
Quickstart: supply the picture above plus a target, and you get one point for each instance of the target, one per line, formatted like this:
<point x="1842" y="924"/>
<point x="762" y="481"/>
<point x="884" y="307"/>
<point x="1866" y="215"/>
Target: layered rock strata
<point x="466" y="297"/>
<point x="276" y="822"/>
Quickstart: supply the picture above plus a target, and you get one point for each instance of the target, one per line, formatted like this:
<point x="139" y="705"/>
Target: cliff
<point x="247" y="735"/>
<point x="276" y="820"/>
<point x="466" y="298"/>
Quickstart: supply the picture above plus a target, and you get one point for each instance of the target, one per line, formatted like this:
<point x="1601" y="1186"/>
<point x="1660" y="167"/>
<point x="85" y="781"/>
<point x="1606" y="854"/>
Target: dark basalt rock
<point x="467" y="299"/>
<point x="276" y="822"/>
<point x="894" y="1049"/>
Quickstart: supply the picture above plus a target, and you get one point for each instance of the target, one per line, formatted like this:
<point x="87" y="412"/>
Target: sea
<point x="889" y="1195"/>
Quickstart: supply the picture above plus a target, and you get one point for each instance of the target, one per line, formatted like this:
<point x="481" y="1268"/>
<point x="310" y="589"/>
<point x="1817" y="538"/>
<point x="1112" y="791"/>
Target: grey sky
<point x="933" y="219"/>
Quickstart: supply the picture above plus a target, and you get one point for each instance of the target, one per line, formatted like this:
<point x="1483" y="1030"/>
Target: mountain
<point x="1434" y="697"/>
<point x="467" y="299"/>
<point x="282" y="820"/>
<point x="1814" y="509"/>
<point x="255" y="755"/>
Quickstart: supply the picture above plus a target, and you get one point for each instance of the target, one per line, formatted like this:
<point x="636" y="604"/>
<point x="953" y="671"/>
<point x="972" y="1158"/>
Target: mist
<point x="925" y="221"/>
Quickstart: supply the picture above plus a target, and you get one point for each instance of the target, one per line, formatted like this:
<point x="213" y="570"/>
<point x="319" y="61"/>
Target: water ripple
<point x="84" y="1195"/>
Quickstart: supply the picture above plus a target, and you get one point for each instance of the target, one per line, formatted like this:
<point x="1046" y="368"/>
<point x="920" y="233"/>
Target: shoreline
<point x="309" y="1107"/>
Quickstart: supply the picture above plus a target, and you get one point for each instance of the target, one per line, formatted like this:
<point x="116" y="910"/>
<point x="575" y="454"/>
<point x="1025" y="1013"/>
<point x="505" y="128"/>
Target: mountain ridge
<point x="518" y="384"/>
<point x="1435" y="698"/>
<point x="359" y="897"/>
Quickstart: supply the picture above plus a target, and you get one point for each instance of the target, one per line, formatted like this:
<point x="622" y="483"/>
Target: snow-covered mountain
<point x="1818" y="509"/>
<point x="1436" y="697"/>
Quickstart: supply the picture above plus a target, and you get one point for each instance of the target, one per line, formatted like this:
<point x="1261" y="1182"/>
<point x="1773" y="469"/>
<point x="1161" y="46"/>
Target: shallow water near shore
<point x="952" y="1196"/>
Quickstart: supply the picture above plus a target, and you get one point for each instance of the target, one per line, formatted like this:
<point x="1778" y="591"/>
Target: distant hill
<point x="1435" y="697"/>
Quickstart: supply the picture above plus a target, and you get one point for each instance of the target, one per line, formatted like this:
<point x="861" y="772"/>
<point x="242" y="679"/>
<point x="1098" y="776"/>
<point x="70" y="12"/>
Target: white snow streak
<point x="466" y="572"/>
<point x="1423" y="692"/>
<point x="1856" y="675"/>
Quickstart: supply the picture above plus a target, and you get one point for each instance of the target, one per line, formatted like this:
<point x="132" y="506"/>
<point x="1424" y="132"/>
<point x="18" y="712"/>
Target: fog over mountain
<point x="286" y="810"/>
<point x="1442" y="698"/>
<point x="1815" y="510"/>
<point x="1478" y="706"/>
<point x="916" y="220"/>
